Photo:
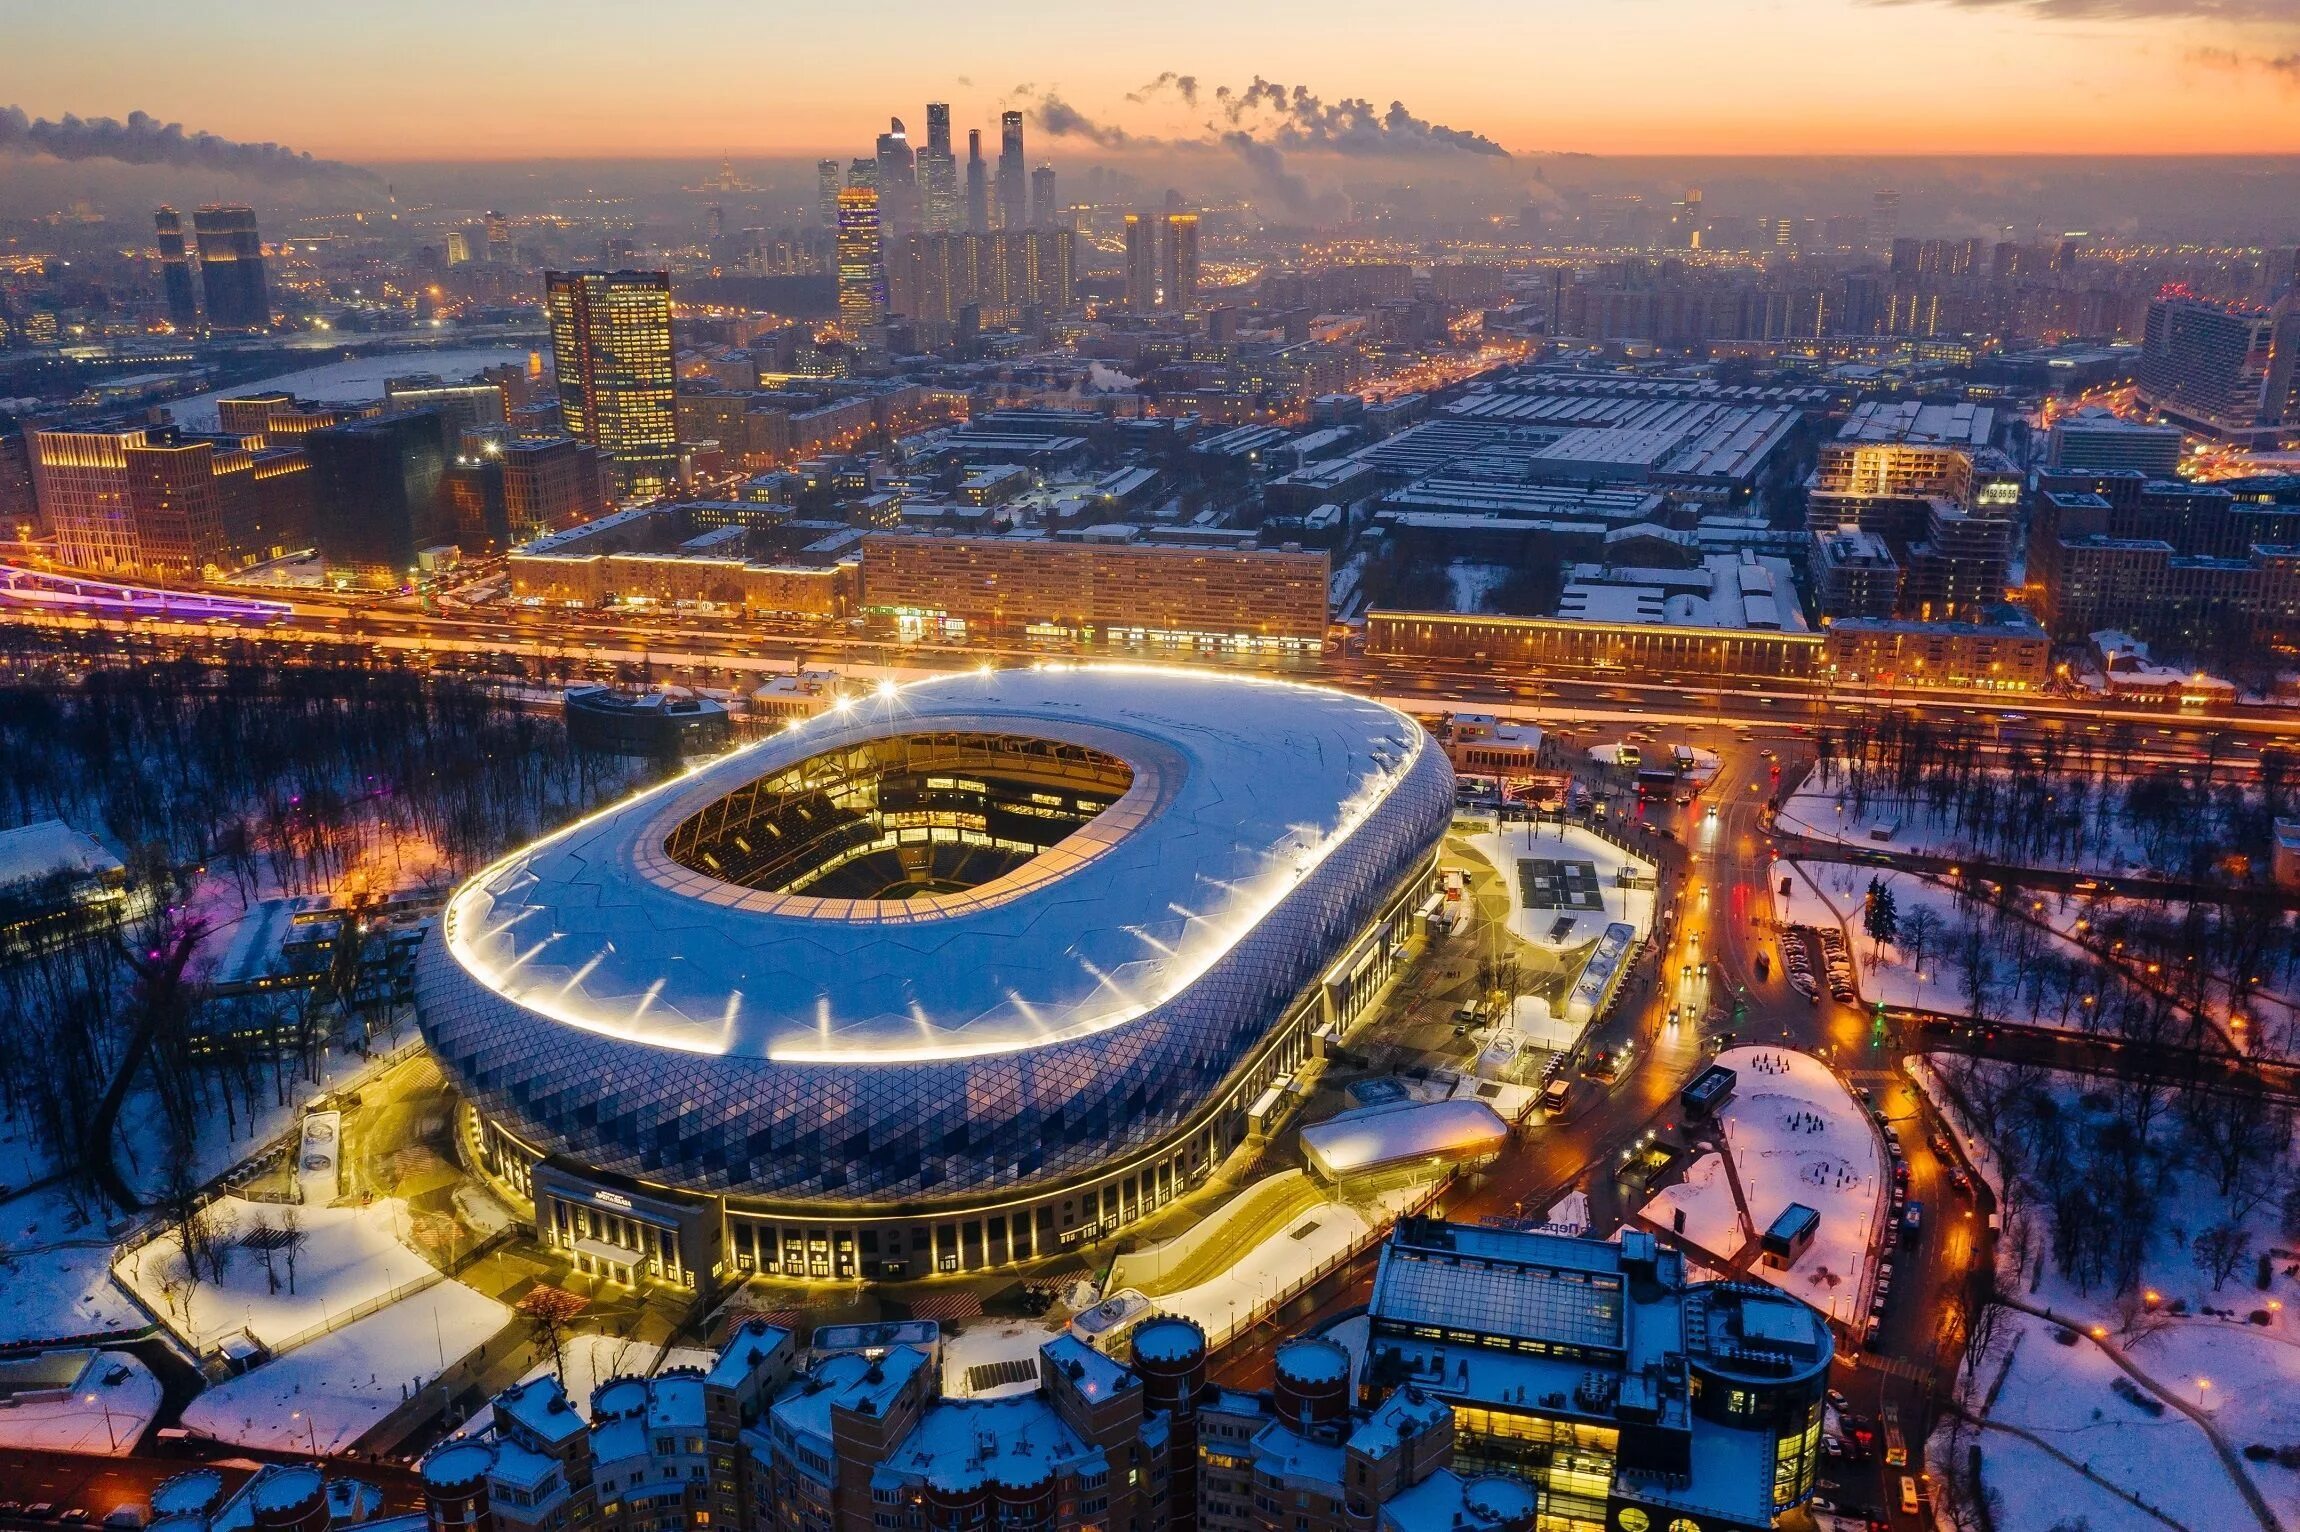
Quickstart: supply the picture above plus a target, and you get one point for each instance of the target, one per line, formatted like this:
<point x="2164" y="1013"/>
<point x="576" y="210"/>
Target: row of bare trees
<point x="269" y="778"/>
<point x="2079" y="800"/>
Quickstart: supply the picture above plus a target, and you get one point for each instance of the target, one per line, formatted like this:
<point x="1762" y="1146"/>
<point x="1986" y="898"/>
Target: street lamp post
<point x="109" y="1434"/>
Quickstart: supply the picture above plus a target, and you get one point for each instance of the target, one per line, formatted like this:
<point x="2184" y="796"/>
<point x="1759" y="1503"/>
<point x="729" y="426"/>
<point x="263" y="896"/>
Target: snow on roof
<point x="1373" y="1136"/>
<point x="1406" y="1412"/>
<point x="1240" y="785"/>
<point x="965" y="1444"/>
<point x="51" y="846"/>
<point x="541" y="1406"/>
<point x="1289" y="1456"/>
<point x="1089" y="1371"/>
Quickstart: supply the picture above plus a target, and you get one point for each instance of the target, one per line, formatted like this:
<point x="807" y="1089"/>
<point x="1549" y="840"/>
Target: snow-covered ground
<point x="351" y="1256"/>
<point x="1893" y="822"/>
<point x="106" y="1415"/>
<point x="2244" y="1376"/>
<point x="328" y="1394"/>
<point x="1797" y="1135"/>
<point x="56" y="1270"/>
<point x="1228" y="1303"/>
<point x="2065" y="1395"/>
<point x="1503" y="849"/>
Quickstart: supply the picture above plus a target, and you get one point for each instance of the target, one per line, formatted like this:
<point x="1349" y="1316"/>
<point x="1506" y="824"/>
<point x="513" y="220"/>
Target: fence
<point x="1375" y="1234"/>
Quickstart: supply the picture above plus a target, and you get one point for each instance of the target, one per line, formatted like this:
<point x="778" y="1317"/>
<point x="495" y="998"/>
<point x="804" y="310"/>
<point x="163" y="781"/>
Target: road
<point x="1714" y="873"/>
<point x="725" y="651"/>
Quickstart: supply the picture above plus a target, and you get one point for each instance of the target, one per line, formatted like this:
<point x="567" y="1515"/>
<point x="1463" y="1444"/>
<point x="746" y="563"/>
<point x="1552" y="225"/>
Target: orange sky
<point x="423" y="79"/>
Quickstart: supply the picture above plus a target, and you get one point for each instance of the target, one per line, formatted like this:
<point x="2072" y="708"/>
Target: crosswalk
<point x="1891" y="1366"/>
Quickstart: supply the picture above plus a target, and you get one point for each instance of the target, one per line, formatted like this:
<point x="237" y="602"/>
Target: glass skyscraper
<point x="611" y="350"/>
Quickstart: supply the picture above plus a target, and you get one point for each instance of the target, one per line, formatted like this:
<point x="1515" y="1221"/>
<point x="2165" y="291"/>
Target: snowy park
<point x="276" y="1271"/>
<point x="323" y="1396"/>
<point x="1797" y="1136"/>
<point x="2154" y="1227"/>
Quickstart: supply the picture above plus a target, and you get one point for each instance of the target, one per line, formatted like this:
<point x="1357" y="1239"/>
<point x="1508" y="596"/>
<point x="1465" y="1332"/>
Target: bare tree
<point x="292" y="1238"/>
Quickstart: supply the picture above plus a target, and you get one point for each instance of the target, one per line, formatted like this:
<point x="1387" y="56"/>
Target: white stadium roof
<point x="1241" y="787"/>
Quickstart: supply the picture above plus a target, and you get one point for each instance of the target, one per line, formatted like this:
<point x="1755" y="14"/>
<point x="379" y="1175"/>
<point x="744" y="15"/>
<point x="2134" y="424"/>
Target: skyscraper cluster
<point x="901" y="194"/>
<point x="1161" y="262"/>
<point x="231" y="288"/>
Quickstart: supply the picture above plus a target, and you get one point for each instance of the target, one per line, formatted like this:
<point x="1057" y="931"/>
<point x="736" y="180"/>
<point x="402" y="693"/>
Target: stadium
<point x="954" y="977"/>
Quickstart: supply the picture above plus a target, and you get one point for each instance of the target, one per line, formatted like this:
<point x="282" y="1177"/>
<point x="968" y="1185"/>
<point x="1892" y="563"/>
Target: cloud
<point x="2283" y="68"/>
<point x="2129" y="10"/>
<point x="1274" y="180"/>
<point x="1054" y="115"/>
<point x="145" y="140"/>
<point x="1183" y="85"/>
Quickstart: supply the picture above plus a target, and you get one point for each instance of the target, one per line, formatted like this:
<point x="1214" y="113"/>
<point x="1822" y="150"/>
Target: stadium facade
<point x="958" y="976"/>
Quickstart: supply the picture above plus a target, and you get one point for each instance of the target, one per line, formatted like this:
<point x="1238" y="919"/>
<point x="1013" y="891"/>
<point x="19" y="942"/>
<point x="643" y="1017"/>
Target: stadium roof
<point x="1241" y="787"/>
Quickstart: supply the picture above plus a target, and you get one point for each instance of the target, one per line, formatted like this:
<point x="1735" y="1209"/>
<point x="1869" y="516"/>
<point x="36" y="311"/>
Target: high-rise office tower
<point x="611" y="350"/>
<point x="458" y="247"/>
<point x="1178" y="275"/>
<point x="1688" y="229"/>
<point x="862" y="261"/>
<point x="938" y="172"/>
<point x="498" y="239"/>
<point x="827" y="193"/>
<point x="232" y="268"/>
<point x="977" y="185"/>
<point x="176" y="269"/>
<point x="863" y="172"/>
<point x="1141" y="264"/>
<point x="377" y="490"/>
<point x="1045" y="204"/>
<point x="1884" y="218"/>
<point x="1013" y="175"/>
<point x="897" y="179"/>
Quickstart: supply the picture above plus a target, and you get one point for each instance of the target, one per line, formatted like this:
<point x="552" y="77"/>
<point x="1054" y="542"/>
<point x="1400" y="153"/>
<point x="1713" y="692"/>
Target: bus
<point x="1896" y="1449"/>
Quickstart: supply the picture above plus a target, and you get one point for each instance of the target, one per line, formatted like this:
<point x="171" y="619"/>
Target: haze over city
<point x="1049" y="768"/>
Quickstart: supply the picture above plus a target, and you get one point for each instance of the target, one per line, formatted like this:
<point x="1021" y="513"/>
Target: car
<point x="11" y="1507"/>
<point x="1838" y="1401"/>
<point x="1913" y="1220"/>
<point x="1908" y="1495"/>
<point x="74" y="1517"/>
<point x="1465" y="1016"/>
<point x="40" y="1510"/>
<point x="1823" y="1504"/>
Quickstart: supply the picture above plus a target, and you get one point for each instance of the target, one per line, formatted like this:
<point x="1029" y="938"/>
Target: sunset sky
<point x="491" y="79"/>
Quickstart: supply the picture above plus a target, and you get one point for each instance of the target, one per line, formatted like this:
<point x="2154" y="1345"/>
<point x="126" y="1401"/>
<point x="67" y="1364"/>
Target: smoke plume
<point x="145" y="140"/>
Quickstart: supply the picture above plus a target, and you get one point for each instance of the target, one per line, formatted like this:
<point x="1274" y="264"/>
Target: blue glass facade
<point x="860" y="1135"/>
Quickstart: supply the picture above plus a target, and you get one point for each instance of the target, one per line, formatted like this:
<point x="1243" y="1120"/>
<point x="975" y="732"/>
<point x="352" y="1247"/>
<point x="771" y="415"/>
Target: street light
<point x="109" y="1434"/>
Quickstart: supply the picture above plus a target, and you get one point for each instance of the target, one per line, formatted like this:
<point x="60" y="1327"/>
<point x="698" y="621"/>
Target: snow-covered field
<point x="1504" y="848"/>
<point x="1797" y="1135"/>
<point x="105" y="1416"/>
<point x="351" y="1256"/>
<point x="57" y="1276"/>
<point x="1888" y="821"/>
<point x="2065" y="1396"/>
<point x="2245" y="1377"/>
<point x="328" y="1394"/>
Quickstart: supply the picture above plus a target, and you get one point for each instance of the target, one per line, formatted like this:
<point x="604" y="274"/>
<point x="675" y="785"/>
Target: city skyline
<point x="1796" y="77"/>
